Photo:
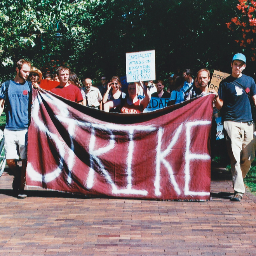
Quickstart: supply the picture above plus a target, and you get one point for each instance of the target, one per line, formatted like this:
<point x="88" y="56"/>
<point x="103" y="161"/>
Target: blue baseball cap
<point x="239" y="56"/>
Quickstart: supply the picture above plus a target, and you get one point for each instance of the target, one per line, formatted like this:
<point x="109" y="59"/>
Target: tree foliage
<point x="93" y="36"/>
<point x="243" y="26"/>
<point x="47" y="32"/>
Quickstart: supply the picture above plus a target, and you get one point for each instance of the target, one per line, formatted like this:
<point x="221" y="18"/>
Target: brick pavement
<point x="54" y="223"/>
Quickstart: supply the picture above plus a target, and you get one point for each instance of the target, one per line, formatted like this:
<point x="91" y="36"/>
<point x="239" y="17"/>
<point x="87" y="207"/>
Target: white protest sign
<point x="140" y="66"/>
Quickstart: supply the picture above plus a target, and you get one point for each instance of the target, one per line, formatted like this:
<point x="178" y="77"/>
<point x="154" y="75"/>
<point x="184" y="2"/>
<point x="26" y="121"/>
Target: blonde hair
<point x="20" y="63"/>
<point x="204" y="69"/>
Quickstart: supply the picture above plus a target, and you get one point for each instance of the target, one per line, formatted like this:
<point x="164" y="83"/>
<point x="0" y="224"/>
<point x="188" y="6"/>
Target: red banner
<point x="163" y="154"/>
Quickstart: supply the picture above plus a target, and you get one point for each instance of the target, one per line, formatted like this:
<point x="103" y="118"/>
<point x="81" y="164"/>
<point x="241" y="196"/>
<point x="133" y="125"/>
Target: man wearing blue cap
<point x="234" y="95"/>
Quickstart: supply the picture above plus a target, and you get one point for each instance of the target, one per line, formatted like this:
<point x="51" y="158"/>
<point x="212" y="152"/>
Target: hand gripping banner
<point x="163" y="154"/>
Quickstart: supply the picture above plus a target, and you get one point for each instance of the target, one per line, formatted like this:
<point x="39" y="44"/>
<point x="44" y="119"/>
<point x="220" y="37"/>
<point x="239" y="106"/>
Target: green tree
<point x="243" y="27"/>
<point x="48" y="32"/>
<point x="183" y="33"/>
<point x="93" y="36"/>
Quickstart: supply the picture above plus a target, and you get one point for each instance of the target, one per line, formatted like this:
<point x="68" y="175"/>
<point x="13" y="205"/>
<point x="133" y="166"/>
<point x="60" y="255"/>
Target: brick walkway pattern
<point x="54" y="223"/>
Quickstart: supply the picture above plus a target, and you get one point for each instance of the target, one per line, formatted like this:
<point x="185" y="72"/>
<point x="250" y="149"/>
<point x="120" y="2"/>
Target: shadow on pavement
<point x="44" y="193"/>
<point x="224" y="195"/>
<point x="220" y="173"/>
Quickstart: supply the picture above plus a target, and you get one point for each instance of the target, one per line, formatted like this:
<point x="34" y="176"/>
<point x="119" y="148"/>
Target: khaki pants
<point x="240" y="143"/>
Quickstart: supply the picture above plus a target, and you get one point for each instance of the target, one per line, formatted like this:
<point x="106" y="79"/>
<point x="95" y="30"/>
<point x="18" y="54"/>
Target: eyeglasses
<point x="115" y="83"/>
<point x="33" y="74"/>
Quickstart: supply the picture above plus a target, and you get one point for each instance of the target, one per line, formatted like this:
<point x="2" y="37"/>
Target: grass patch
<point x="250" y="179"/>
<point x="2" y="121"/>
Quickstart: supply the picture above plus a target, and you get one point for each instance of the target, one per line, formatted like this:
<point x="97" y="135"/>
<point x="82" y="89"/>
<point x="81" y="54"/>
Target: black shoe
<point x="22" y="194"/>
<point x="237" y="197"/>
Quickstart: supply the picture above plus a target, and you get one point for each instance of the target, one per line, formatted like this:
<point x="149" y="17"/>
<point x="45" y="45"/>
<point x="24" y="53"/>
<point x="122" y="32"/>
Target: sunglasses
<point x="33" y="74"/>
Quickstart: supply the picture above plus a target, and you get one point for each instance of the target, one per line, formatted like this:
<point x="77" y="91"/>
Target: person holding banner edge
<point x="234" y="95"/>
<point x="16" y="95"/>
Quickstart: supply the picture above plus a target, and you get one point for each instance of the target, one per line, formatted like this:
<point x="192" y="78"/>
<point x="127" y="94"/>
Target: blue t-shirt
<point x="186" y="86"/>
<point x="17" y="105"/>
<point x="177" y="96"/>
<point x="236" y="104"/>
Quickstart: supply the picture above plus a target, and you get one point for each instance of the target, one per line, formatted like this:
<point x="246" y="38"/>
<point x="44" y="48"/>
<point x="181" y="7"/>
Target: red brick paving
<point x="52" y="223"/>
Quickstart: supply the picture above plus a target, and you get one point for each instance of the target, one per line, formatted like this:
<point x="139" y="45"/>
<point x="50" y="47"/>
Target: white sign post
<point x="140" y="66"/>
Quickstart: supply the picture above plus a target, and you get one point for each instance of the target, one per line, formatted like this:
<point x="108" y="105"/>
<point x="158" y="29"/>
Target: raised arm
<point x="105" y="96"/>
<point x="147" y="97"/>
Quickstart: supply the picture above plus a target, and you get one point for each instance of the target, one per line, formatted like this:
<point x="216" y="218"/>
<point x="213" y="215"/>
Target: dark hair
<point x="48" y="75"/>
<point x="188" y="71"/>
<point x="179" y="81"/>
<point x="21" y="62"/>
<point x="74" y="79"/>
<point x="62" y="68"/>
<point x="160" y="81"/>
<point x="137" y="85"/>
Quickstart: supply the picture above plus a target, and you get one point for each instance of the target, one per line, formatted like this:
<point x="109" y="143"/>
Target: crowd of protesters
<point x="233" y="97"/>
<point x="110" y="95"/>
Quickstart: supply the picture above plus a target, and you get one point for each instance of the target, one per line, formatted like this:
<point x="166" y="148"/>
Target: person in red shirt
<point x="65" y="89"/>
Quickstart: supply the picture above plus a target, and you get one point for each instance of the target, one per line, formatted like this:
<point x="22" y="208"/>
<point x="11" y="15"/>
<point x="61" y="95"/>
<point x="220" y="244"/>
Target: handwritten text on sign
<point x="217" y="77"/>
<point x="140" y="66"/>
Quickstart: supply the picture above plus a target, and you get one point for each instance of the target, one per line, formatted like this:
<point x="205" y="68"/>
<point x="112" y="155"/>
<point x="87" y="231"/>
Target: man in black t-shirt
<point x="160" y="93"/>
<point x="234" y="98"/>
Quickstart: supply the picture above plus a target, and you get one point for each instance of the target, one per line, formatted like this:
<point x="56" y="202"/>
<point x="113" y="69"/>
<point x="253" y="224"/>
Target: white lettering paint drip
<point x="189" y="157"/>
<point x="94" y="158"/>
<point x="160" y="158"/>
<point x="64" y="117"/>
<point x="59" y="143"/>
<point x="66" y="152"/>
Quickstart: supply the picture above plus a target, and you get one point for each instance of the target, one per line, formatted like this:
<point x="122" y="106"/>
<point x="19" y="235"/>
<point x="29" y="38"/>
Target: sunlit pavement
<point x="54" y="223"/>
